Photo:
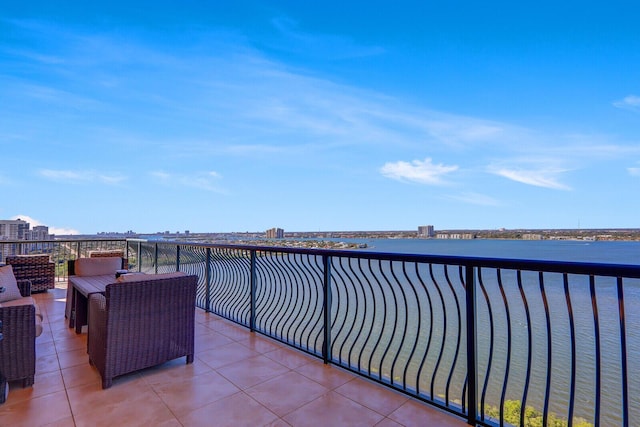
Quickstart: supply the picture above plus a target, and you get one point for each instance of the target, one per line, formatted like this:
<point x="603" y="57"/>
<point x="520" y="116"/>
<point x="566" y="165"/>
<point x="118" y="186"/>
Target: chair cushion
<point x="138" y="277"/>
<point x="8" y="281"/>
<point x="97" y="266"/>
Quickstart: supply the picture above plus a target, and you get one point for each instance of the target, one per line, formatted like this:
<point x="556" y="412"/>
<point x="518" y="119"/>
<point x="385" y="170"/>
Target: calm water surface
<point x="556" y="250"/>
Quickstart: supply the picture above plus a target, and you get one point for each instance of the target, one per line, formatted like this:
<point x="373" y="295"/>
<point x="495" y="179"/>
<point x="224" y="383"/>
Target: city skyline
<point x="355" y="116"/>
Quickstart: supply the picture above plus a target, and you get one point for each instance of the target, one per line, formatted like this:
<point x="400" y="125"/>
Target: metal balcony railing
<point x="496" y="341"/>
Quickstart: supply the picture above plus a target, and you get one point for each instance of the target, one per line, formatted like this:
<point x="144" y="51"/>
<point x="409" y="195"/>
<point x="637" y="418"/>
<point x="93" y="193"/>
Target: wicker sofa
<point x="20" y="326"/>
<point x="141" y="323"/>
<point x="37" y="268"/>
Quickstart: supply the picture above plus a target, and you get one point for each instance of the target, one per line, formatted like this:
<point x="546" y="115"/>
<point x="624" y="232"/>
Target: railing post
<point x="155" y="258"/>
<point x="139" y="256"/>
<point x="326" y="346"/>
<point x="178" y="258"/>
<point x="472" y="368"/>
<point x="207" y="280"/>
<point x="252" y="319"/>
<point x="78" y="249"/>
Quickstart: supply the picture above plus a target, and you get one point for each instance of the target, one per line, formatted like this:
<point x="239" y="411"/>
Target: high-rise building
<point x="275" y="233"/>
<point x="39" y="232"/>
<point x="13" y="229"/>
<point x="17" y="229"/>
<point x="426" y="231"/>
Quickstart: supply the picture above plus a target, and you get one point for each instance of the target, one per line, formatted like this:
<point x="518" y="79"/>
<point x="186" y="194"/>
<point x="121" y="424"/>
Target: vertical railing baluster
<point x="139" y="256"/>
<point x="572" y="340"/>
<point x="253" y="280"/>
<point x="623" y="354"/>
<point x="207" y="279"/>
<point x="547" y="314"/>
<point x="472" y="369"/>
<point x="155" y="258"/>
<point x="598" y="361"/>
<point x="177" y="257"/>
<point x="326" y="346"/>
<point x="525" y="391"/>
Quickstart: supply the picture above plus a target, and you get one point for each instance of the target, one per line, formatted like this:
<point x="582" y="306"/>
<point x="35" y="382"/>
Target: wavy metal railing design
<point x="473" y="336"/>
<point x="288" y="299"/>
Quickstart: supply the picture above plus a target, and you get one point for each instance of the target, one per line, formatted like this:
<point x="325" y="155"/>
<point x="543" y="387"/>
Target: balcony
<point x="462" y="339"/>
<point x="238" y="378"/>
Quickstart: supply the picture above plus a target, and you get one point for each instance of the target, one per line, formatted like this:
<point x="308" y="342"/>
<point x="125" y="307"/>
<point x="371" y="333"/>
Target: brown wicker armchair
<point x="37" y="268"/>
<point x="135" y="325"/>
<point x="18" y="346"/>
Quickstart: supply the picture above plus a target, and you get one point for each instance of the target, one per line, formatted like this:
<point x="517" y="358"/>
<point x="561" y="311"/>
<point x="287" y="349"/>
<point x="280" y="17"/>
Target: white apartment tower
<point x="13" y="229"/>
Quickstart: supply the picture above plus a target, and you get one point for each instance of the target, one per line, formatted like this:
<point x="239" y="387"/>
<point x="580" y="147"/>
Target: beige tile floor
<point x="238" y="379"/>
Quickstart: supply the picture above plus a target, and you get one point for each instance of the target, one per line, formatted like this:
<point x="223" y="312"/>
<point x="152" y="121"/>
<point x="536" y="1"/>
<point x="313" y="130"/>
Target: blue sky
<point x="319" y="115"/>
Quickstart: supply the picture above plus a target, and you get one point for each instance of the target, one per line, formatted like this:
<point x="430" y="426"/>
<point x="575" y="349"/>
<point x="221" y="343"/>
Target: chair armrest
<point x="97" y="301"/>
<point x="97" y="320"/>
<point x="25" y="287"/>
<point x="97" y="324"/>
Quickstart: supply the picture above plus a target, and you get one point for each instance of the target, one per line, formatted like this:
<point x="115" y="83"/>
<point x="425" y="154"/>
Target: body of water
<point x="548" y="250"/>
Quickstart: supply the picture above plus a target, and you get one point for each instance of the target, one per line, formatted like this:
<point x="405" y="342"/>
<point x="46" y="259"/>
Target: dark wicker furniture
<point x="18" y="346"/>
<point x="81" y="287"/>
<point x="37" y="268"/>
<point x="79" y="302"/>
<point x="136" y="325"/>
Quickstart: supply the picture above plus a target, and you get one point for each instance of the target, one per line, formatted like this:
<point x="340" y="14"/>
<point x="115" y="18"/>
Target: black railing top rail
<point x="65" y="240"/>
<point x="551" y="266"/>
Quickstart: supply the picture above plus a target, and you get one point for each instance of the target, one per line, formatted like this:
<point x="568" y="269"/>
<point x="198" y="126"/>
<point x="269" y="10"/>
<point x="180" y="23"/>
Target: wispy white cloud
<point x="57" y="97"/>
<point x="207" y="181"/>
<point x="546" y="178"/>
<point x="422" y="172"/>
<point x="34" y="56"/>
<point x="243" y="96"/>
<point x="634" y="171"/>
<point x="52" y="229"/>
<point x="78" y="177"/>
<point x="631" y="102"/>
<point x="475" y="199"/>
<point x="325" y="46"/>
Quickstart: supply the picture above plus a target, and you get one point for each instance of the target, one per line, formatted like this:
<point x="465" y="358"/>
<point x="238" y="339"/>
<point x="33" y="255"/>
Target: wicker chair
<point x="136" y="325"/>
<point x="18" y="347"/>
<point x="37" y="268"/>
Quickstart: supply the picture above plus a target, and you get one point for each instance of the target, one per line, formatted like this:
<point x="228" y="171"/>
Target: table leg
<point x="72" y="312"/>
<point x="81" y="311"/>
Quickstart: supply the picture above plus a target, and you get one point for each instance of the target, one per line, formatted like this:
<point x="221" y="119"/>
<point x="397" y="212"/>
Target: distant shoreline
<point x="600" y="234"/>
